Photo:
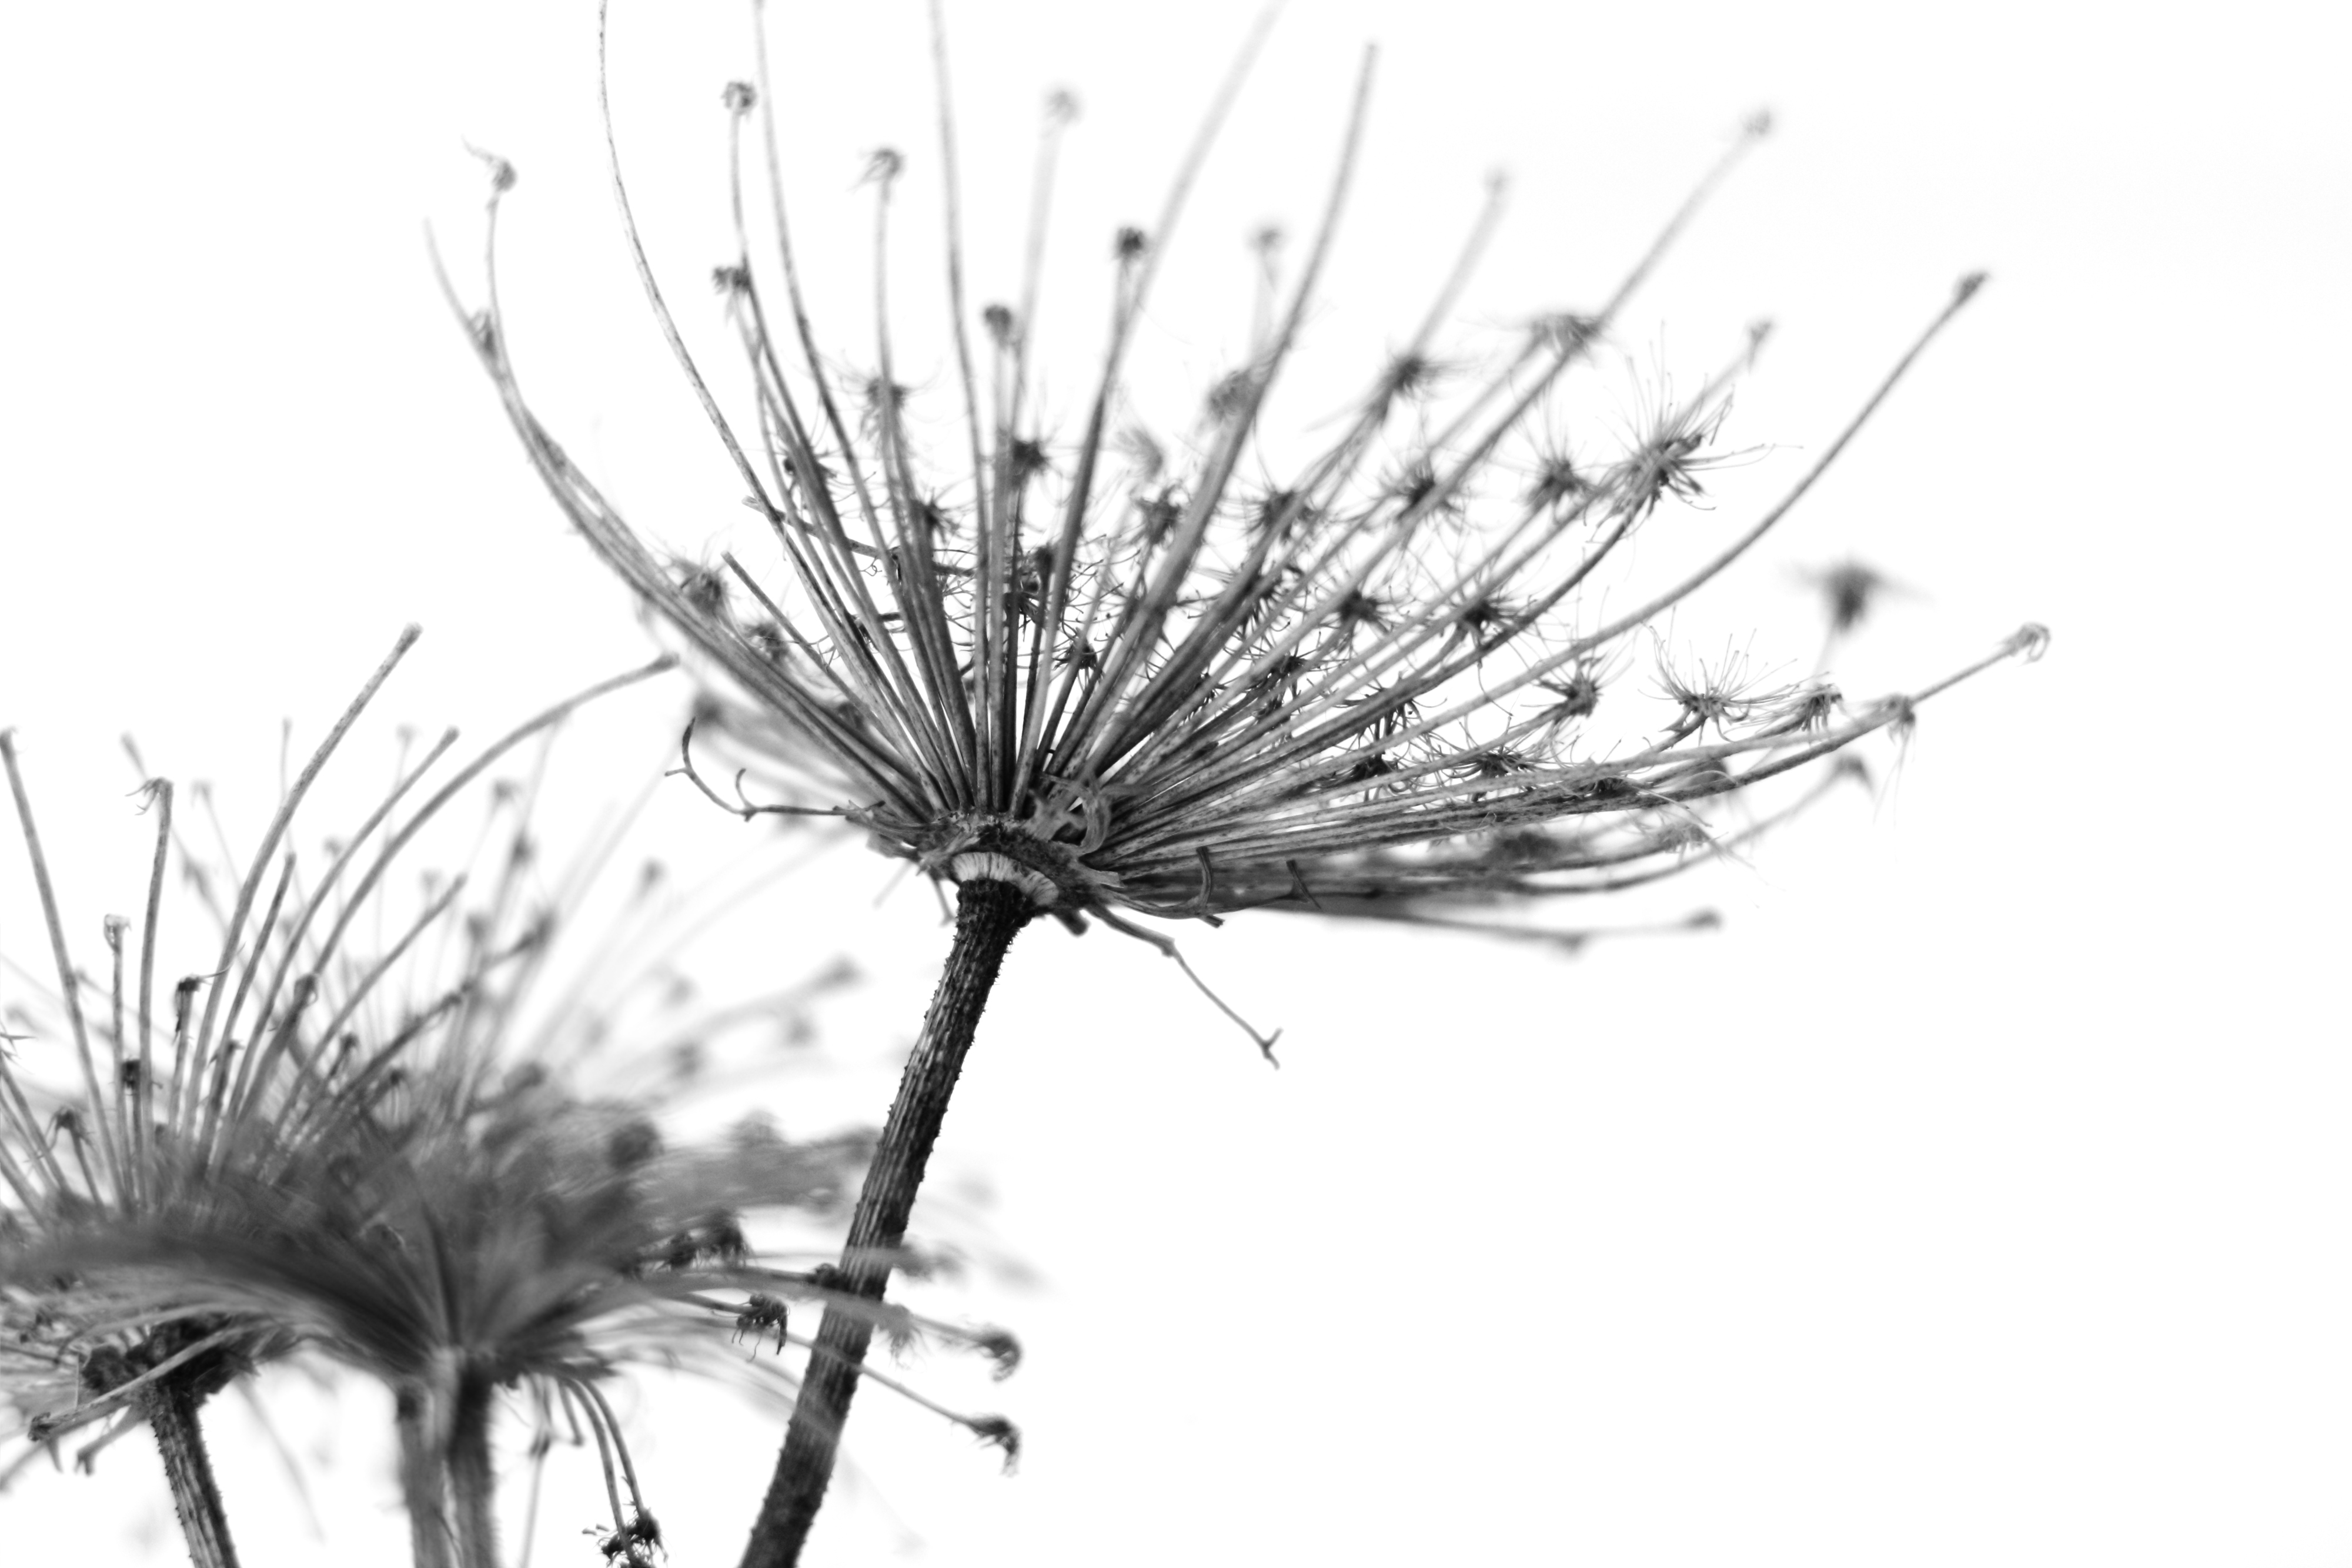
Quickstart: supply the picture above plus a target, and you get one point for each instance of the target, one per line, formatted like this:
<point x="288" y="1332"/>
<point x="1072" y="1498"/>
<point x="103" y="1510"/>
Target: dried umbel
<point x="1131" y="685"/>
<point x="1120" y="675"/>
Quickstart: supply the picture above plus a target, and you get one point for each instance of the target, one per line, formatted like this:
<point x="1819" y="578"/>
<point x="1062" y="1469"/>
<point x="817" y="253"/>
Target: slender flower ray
<point x="1098" y="682"/>
<point x="1140" y="258"/>
<point x="230" y="942"/>
<point x="241" y="1098"/>
<point x="1156" y="600"/>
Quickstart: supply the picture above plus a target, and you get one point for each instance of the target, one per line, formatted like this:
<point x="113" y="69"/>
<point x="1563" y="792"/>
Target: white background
<point x="1981" y="1192"/>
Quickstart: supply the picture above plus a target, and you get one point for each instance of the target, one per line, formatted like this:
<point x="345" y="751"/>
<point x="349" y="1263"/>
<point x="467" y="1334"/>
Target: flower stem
<point x="988" y="917"/>
<point x="423" y="1482"/>
<point x="473" y="1479"/>
<point x="170" y="1406"/>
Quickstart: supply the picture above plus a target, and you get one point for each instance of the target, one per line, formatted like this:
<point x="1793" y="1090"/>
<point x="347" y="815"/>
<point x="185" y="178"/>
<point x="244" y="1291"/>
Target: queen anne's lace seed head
<point x="1129" y="676"/>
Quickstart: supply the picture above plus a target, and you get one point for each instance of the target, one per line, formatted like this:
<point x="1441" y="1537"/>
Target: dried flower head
<point x="1119" y="673"/>
<point x="1126" y="682"/>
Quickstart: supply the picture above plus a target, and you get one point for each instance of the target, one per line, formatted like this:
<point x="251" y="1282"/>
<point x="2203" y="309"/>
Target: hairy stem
<point x="473" y="1480"/>
<point x="423" y="1482"/>
<point x="988" y="915"/>
<point x="170" y="1406"/>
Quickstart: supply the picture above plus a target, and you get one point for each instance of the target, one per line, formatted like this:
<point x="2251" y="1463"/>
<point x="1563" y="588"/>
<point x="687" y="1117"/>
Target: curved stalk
<point x="988" y="914"/>
<point x="170" y="1407"/>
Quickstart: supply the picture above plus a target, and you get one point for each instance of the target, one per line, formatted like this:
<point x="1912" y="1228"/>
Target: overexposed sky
<point x="1978" y="1193"/>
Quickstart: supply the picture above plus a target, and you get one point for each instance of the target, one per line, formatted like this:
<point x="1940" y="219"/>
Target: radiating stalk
<point x="988" y="915"/>
<point x="170" y="1407"/>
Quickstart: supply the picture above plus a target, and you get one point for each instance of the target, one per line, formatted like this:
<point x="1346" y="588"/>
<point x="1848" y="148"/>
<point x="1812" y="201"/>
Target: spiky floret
<point x="1186" y="697"/>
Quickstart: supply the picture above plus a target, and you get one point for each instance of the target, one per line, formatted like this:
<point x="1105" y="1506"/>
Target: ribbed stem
<point x="473" y="1479"/>
<point x="988" y="914"/>
<point x="170" y="1406"/>
<point x="423" y="1482"/>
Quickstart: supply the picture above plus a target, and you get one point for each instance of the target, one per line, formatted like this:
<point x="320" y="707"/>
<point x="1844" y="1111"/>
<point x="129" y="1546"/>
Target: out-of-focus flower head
<point x="1850" y="591"/>
<point x="123" y="1114"/>
<point x="363" y="1133"/>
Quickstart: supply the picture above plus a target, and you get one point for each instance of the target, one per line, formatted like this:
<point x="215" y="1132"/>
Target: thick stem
<point x="473" y="1479"/>
<point x="988" y="915"/>
<point x="447" y="1478"/>
<point x="170" y="1407"/>
<point x="423" y="1481"/>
